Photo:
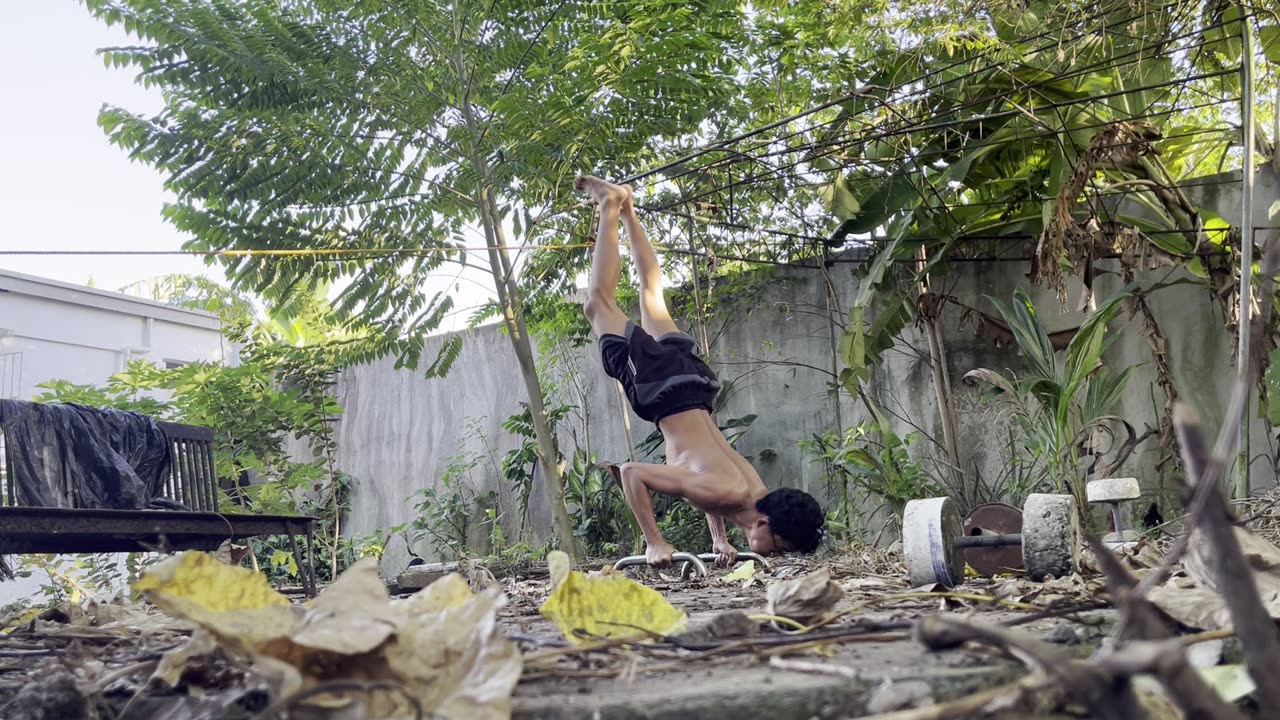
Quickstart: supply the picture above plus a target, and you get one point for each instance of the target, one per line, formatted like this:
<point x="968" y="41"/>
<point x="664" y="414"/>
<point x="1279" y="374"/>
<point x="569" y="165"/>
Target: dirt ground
<point x="94" y="663"/>
<point x="879" y="671"/>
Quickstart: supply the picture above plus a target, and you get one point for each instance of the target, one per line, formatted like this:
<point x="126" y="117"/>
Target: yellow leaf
<point x="199" y="578"/>
<point x="559" y="567"/>
<point x="236" y="604"/>
<point x="1231" y="681"/>
<point x="744" y="572"/>
<point x="608" y="606"/>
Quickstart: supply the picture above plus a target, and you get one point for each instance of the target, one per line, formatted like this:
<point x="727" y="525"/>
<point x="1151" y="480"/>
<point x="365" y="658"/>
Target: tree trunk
<point x="941" y="384"/>
<point x="504" y="284"/>
<point x="509" y="300"/>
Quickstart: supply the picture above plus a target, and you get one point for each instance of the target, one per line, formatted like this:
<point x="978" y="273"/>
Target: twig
<point x="813" y="668"/>
<point x="1091" y="685"/>
<point x="1203" y="478"/>
<point x="105" y="681"/>
<point x="1061" y="612"/>
<point x="971" y="597"/>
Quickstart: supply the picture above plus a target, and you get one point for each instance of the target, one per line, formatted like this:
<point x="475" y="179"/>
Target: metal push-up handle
<point x="711" y="557"/>
<point x="742" y="557"/>
<point x="684" y="557"/>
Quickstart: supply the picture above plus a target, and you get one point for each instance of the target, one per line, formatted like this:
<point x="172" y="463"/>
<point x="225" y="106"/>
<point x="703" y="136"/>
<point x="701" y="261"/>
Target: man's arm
<point x="720" y="541"/>
<point x="637" y="480"/>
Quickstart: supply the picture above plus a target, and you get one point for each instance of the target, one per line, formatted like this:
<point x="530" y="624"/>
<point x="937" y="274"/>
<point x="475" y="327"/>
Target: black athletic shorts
<point x="661" y="376"/>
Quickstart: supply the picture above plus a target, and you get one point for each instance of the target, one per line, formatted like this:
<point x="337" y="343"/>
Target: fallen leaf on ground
<point x="1232" y="682"/>
<point x="804" y="599"/>
<point x="584" y="607"/>
<point x="853" y="584"/>
<point x="1262" y="556"/>
<point x="199" y="578"/>
<point x="744" y="572"/>
<point x="1155" y="700"/>
<point x="1195" y="607"/>
<point x="176" y="662"/>
<point x="441" y="645"/>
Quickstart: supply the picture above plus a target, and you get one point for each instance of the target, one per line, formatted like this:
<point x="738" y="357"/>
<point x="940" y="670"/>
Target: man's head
<point x="791" y="521"/>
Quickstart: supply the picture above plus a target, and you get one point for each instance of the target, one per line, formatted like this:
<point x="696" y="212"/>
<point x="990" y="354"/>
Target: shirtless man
<point x="667" y="384"/>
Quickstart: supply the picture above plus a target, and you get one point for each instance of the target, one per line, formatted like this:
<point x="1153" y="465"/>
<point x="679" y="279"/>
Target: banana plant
<point x="1007" y="143"/>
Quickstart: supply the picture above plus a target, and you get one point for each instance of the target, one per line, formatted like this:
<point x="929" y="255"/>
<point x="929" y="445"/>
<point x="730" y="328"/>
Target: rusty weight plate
<point x="994" y="519"/>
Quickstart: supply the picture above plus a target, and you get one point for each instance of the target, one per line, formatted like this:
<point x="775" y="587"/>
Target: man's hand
<point x="726" y="553"/>
<point x="658" y="554"/>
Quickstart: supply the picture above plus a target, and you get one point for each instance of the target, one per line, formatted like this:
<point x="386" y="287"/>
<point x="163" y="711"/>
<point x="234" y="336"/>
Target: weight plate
<point x="929" y="530"/>
<point x="1050" y="536"/>
<point x="993" y="519"/>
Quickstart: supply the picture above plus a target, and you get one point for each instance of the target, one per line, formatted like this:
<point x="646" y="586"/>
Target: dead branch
<point x="1160" y="654"/>
<point x="1211" y="467"/>
<point x="1236" y="584"/>
<point x="1105" y="695"/>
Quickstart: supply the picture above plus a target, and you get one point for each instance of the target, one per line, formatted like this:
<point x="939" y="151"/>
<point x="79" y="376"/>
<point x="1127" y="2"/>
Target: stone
<point x="416" y="577"/>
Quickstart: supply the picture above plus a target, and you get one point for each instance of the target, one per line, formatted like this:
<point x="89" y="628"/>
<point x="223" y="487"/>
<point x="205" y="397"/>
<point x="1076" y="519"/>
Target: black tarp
<point x="72" y="456"/>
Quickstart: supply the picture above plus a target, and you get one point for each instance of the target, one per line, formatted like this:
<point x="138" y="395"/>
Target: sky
<point x="65" y="186"/>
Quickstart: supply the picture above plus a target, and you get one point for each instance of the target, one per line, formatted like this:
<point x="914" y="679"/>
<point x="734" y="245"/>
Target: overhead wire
<point x="1109" y="62"/>
<point x="936" y="126"/>
<point x="1050" y="32"/>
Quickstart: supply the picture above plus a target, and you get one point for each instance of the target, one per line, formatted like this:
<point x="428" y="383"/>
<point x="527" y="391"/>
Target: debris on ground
<point x="209" y="640"/>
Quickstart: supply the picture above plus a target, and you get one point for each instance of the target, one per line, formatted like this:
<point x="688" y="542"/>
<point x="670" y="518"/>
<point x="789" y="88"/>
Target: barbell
<point x="933" y="536"/>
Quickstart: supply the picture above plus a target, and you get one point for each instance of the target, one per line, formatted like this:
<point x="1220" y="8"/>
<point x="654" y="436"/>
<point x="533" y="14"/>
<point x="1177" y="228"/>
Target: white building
<point x="54" y="330"/>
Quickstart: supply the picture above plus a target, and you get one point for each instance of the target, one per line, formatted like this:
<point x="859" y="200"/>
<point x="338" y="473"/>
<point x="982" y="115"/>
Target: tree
<point x="374" y="135"/>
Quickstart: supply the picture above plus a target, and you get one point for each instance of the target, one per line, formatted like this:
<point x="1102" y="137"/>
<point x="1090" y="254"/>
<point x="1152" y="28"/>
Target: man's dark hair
<point x="795" y="517"/>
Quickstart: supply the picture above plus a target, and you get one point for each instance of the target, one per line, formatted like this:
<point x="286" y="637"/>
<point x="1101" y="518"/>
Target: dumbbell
<point x="1115" y="492"/>
<point x="932" y="538"/>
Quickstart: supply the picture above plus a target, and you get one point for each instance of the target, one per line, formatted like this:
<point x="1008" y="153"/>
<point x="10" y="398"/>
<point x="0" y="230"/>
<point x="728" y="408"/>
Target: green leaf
<point x="1272" y="380"/>
<point x="1085" y="350"/>
<point x="1269" y="40"/>
<point x="839" y="199"/>
<point x="1029" y="334"/>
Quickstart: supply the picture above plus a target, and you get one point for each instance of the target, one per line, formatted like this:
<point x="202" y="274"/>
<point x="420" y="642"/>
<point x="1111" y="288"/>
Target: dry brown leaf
<point x="1195" y="607"/>
<point x="1262" y="556"/>
<point x="804" y="599"/>
<point x="442" y="645"/>
<point x="197" y="650"/>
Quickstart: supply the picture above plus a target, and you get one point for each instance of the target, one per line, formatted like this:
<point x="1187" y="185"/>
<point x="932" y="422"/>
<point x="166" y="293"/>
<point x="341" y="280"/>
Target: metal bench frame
<point x="191" y="480"/>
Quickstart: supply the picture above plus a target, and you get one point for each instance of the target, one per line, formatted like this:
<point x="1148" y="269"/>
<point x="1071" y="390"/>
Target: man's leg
<point x="601" y="307"/>
<point x="654" y="316"/>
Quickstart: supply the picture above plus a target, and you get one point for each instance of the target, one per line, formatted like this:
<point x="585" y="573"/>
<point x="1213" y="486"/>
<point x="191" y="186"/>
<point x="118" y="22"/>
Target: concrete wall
<point x="399" y="429"/>
<point x="54" y="330"/>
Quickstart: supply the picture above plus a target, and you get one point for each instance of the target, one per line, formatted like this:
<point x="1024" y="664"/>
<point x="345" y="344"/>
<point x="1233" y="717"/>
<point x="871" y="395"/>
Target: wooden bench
<point x="191" y="480"/>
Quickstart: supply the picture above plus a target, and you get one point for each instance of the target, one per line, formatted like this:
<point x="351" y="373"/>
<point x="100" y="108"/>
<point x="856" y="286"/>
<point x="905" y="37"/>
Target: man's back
<point x="728" y="483"/>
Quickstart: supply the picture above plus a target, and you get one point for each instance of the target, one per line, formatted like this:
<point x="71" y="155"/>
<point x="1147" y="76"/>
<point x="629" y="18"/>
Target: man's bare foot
<point x="603" y="191"/>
